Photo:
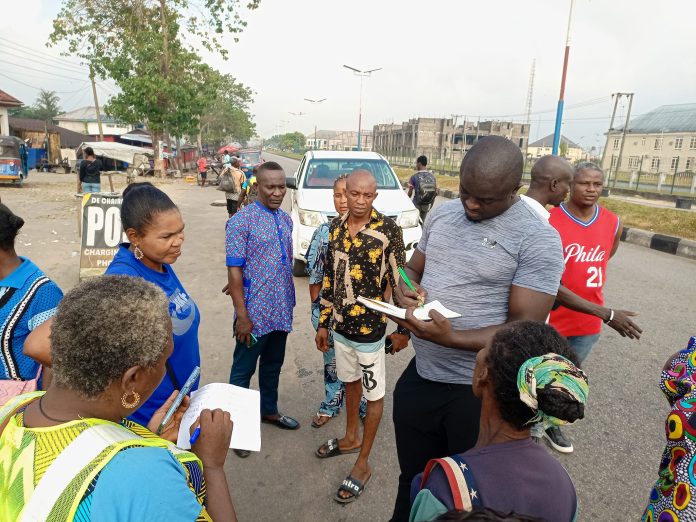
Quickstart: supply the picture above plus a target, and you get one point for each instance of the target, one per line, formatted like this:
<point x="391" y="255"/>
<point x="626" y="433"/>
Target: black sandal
<point x="332" y="449"/>
<point x="284" y="422"/>
<point x="353" y="486"/>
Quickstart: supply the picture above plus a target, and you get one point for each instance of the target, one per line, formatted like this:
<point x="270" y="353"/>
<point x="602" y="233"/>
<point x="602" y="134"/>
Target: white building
<point x="6" y="102"/>
<point x="84" y="120"/>
<point x="544" y="146"/>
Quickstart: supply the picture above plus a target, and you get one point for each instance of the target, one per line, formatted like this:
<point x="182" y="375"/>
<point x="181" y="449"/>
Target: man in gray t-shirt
<point x="490" y="258"/>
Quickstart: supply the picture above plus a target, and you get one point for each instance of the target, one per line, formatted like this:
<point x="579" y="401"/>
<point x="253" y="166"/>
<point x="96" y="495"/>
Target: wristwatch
<point x="403" y="331"/>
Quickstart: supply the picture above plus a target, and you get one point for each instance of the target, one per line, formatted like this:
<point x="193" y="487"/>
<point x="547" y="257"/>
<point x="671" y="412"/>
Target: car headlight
<point x="310" y="218"/>
<point x="409" y="219"/>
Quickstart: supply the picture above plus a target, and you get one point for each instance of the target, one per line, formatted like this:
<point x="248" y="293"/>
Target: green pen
<point x="410" y="285"/>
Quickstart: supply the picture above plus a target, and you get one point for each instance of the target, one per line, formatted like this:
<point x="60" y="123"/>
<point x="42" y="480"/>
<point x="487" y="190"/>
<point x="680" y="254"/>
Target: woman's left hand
<point x="170" y="431"/>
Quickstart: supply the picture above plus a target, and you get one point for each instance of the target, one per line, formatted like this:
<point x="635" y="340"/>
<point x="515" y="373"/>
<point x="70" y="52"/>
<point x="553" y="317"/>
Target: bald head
<point x="361" y="191"/>
<point x="548" y="168"/>
<point x="361" y="177"/>
<point x="494" y="160"/>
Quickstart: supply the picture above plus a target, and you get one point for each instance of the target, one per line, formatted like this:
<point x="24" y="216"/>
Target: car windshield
<point x="251" y="157"/>
<point x="321" y="173"/>
<point x="9" y="151"/>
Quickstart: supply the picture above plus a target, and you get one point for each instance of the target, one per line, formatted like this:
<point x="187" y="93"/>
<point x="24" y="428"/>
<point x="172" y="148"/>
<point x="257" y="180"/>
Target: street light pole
<point x="362" y="74"/>
<point x="315" y="102"/>
<point x="561" y="98"/>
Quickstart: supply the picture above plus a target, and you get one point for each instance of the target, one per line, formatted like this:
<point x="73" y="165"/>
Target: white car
<point x="311" y="197"/>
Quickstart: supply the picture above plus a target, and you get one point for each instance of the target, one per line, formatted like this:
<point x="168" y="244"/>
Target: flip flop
<point x="318" y="417"/>
<point x="331" y="449"/>
<point x="353" y="486"/>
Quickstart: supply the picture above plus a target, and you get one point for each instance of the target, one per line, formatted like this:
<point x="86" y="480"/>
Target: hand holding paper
<point x="421" y="313"/>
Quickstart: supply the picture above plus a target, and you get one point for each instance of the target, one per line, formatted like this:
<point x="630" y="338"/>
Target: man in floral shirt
<point x="366" y="248"/>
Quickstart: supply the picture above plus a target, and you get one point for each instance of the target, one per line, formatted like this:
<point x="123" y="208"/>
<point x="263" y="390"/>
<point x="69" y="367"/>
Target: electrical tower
<point x="528" y="108"/>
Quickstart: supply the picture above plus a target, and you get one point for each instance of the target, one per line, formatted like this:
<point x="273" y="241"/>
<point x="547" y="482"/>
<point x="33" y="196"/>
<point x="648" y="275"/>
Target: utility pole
<point x="528" y="118"/>
<point x="99" y="120"/>
<point x="561" y="98"/>
<point x="623" y="136"/>
<point x="616" y="97"/>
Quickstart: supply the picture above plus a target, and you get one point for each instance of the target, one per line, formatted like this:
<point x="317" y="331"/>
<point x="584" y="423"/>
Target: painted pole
<point x="561" y="101"/>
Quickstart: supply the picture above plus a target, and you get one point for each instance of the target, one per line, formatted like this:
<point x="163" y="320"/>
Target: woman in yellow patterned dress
<point x="70" y="454"/>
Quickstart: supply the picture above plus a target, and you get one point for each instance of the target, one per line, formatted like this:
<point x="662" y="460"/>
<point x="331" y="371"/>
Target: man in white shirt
<point x="551" y="178"/>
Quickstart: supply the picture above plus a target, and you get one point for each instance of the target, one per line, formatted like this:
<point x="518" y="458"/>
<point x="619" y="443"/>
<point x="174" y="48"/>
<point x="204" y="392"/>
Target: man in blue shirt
<point x="259" y="271"/>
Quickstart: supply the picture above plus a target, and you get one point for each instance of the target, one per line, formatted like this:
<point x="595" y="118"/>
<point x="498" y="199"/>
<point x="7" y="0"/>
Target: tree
<point x="226" y="116"/>
<point x="46" y="107"/>
<point x="563" y="149"/>
<point x="292" y="141"/>
<point x="138" y="44"/>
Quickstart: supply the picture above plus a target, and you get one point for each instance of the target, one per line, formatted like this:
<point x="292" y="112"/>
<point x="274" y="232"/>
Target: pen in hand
<point x="408" y="282"/>
<point x="195" y="436"/>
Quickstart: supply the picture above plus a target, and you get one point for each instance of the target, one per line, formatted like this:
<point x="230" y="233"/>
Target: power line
<point x="41" y="71"/>
<point x="42" y="62"/>
<point x="39" y="88"/>
<point x="25" y="49"/>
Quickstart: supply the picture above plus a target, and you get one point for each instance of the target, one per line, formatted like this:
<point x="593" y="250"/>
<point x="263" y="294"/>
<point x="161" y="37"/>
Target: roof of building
<point x="83" y="114"/>
<point x="548" y="142"/>
<point x="68" y="138"/>
<point x="7" y="100"/>
<point x="666" y="118"/>
<point x="322" y="134"/>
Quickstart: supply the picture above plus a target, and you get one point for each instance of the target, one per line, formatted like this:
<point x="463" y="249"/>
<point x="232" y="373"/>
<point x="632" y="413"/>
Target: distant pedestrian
<point x="422" y="187"/>
<point x="226" y="160"/>
<point x="90" y="168"/>
<point x="365" y="250"/>
<point x="251" y="189"/>
<point x="259" y="271"/>
<point x="317" y="252"/>
<point x="591" y="236"/>
<point x="202" y="169"/>
<point x="489" y="257"/>
<point x="231" y="182"/>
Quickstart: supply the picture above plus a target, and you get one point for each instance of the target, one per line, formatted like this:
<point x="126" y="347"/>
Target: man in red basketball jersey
<point x="590" y="235"/>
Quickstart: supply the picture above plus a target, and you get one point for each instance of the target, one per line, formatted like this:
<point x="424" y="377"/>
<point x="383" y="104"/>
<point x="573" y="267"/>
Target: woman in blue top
<point x="27" y="299"/>
<point x="155" y="231"/>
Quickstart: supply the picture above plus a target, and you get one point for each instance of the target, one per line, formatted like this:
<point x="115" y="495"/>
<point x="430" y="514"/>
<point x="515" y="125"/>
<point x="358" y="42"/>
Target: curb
<point x="668" y="244"/>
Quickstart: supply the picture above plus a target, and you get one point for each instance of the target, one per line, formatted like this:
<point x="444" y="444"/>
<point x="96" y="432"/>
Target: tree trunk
<point x="157" y="150"/>
<point x="170" y="162"/>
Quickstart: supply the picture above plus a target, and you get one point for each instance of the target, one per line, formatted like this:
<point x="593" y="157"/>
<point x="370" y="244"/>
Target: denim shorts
<point x="583" y="344"/>
<point x="91" y="188"/>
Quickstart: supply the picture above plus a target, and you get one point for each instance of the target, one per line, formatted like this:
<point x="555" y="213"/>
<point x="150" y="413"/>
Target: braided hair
<point x="510" y="348"/>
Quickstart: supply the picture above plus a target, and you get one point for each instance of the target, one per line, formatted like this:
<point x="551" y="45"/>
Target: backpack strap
<point x="461" y="481"/>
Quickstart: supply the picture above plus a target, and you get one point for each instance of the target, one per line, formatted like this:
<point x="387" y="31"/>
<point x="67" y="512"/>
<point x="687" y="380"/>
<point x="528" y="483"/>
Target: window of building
<point x="658" y="144"/>
<point x="678" y="143"/>
<point x="642" y="142"/>
<point x="614" y="161"/>
<point x="521" y="144"/>
<point x="617" y="142"/>
<point x="655" y="163"/>
<point x="673" y="164"/>
<point x="633" y="161"/>
<point x="692" y="142"/>
<point x="689" y="163"/>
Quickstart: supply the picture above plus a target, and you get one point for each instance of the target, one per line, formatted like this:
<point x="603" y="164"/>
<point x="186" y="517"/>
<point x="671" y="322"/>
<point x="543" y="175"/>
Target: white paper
<point x="419" y="313"/>
<point x="244" y="406"/>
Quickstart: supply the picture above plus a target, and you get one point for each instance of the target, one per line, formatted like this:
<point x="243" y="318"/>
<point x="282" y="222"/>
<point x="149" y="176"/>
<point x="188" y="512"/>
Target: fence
<point x="679" y="183"/>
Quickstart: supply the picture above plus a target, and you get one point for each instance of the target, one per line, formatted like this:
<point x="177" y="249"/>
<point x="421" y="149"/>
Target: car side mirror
<point x="291" y="183"/>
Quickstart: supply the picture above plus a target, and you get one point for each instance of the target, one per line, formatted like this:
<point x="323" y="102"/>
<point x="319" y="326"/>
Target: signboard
<point x="101" y="233"/>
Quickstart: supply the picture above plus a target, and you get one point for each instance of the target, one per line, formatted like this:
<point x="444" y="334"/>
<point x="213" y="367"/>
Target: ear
<point x="133" y="379"/>
<point x="553" y="185"/>
<point x="514" y="192"/>
<point x="133" y="236"/>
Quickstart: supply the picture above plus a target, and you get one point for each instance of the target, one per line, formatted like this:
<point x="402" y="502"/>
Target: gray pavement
<point x="617" y="447"/>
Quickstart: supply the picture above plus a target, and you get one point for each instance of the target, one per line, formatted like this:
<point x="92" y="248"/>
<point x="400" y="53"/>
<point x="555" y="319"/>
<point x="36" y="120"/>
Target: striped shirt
<point x="27" y="299"/>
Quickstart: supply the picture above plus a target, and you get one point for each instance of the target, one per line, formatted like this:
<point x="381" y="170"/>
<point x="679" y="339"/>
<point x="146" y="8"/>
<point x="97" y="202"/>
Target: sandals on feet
<point x="331" y="449"/>
<point x="320" y="419"/>
<point x="353" y="486"/>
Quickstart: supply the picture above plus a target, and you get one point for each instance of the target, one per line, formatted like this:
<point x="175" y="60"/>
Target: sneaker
<point x="554" y="436"/>
<point x="242" y="454"/>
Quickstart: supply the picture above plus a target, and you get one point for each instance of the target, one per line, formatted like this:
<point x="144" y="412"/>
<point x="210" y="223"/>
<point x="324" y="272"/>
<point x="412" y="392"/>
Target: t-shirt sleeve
<point x="43" y="305"/>
<point x="120" y="495"/>
<point x="439" y="486"/>
<point x="540" y="265"/>
<point x="316" y="256"/>
<point x="412" y="181"/>
<point x="236" y="236"/>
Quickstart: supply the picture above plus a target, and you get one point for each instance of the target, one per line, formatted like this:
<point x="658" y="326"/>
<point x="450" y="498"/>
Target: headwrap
<point x="554" y="371"/>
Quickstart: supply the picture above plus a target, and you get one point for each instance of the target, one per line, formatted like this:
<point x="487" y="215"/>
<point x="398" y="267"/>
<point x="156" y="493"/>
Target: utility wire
<point x="41" y="71"/>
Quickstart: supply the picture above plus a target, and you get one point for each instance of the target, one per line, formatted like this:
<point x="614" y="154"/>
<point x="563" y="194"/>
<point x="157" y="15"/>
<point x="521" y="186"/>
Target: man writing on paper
<point x="366" y="248"/>
<point x="490" y="258"/>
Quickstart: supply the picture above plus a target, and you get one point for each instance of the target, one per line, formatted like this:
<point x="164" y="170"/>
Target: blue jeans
<point x="91" y="188"/>
<point x="583" y="344"/>
<point x="269" y="352"/>
<point x="334" y="388"/>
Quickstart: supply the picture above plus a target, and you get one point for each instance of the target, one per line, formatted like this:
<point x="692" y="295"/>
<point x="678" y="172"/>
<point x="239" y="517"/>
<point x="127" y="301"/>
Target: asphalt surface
<point x="617" y="446"/>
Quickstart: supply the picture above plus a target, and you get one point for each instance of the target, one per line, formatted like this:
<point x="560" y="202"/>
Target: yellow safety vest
<point x="45" y="472"/>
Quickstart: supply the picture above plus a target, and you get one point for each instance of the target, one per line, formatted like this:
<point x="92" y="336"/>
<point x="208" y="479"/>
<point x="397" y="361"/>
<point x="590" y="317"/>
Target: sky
<point x="437" y="58"/>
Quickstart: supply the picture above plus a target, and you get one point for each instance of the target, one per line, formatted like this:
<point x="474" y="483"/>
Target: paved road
<point x="617" y="446"/>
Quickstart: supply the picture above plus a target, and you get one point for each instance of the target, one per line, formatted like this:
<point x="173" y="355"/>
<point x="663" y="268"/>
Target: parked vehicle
<point x="13" y="160"/>
<point x="311" y="197"/>
<point x="250" y="158"/>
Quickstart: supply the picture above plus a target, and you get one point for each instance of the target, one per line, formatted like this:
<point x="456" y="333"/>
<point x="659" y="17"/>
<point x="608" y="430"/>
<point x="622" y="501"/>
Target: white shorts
<point x="353" y="365"/>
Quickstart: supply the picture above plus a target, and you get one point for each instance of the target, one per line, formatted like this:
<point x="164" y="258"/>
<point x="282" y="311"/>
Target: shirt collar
<point x="19" y="276"/>
<point x="374" y="216"/>
<point x="264" y="207"/>
<point x="536" y="207"/>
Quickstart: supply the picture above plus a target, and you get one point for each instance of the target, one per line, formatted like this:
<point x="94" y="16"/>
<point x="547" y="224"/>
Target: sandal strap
<point x="351" y="485"/>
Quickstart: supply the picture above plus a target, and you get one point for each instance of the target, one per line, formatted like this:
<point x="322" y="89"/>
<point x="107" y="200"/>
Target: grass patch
<point x="443" y="182"/>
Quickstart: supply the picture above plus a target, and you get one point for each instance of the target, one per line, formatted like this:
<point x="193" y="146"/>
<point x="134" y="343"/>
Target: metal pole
<point x="360" y="112"/>
<point x="674" y="176"/>
<point x="611" y="128"/>
<point x="559" y="110"/>
<point x="623" y="136"/>
<point x="640" y="170"/>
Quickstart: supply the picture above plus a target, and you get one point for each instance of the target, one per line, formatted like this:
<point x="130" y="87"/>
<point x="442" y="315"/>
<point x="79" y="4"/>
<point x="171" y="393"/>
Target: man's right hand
<point x="242" y="329"/>
<point x="407" y="298"/>
<point x="623" y="324"/>
<point x="214" y="439"/>
<point x="322" y="339"/>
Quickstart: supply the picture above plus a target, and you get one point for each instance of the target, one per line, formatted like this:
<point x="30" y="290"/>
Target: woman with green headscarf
<point x="527" y="374"/>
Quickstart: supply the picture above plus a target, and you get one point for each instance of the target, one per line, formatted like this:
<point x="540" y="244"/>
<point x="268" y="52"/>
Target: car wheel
<point x="298" y="268"/>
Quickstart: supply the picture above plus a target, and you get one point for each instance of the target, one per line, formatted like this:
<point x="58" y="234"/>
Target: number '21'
<point x="596" y="278"/>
